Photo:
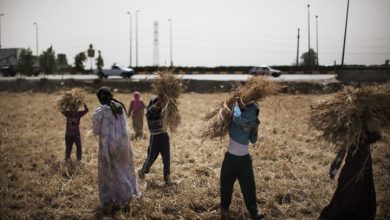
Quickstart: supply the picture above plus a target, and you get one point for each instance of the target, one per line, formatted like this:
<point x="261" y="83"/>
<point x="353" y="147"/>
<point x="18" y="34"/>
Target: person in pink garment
<point x="136" y="111"/>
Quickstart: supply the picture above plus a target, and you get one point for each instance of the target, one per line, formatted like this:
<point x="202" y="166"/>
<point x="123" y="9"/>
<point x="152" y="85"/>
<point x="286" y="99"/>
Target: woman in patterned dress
<point x="116" y="176"/>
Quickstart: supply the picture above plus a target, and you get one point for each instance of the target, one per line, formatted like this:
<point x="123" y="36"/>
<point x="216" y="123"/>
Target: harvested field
<point x="290" y="163"/>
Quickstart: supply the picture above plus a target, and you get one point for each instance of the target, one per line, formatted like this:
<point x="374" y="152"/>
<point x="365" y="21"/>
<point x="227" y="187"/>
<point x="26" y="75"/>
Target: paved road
<point x="212" y="77"/>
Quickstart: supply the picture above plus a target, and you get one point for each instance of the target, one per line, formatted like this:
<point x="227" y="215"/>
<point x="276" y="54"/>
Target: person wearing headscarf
<point x="158" y="143"/>
<point x="355" y="196"/>
<point x="237" y="163"/>
<point x="117" y="181"/>
<point x="136" y="111"/>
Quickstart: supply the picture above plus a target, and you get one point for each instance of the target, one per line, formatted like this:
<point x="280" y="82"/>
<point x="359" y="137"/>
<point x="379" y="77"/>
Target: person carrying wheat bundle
<point x="238" y="117"/>
<point x="69" y="105"/>
<point x="352" y="119"/>
<point x="355" y="196"/>
<point x="158" y="143"/>
<point x="237" y="163"/>
<point x="162" y="114"/>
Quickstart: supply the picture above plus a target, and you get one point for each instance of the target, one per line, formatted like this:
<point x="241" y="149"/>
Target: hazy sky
<point x="205" y="32"/>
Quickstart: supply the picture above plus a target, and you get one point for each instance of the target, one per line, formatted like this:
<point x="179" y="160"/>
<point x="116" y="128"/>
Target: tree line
<point x="48" y="63"/>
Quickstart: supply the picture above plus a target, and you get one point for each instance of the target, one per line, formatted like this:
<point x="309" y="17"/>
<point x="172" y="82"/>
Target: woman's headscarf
<point x="137" y="102"/>
<point x="105" y="98"/>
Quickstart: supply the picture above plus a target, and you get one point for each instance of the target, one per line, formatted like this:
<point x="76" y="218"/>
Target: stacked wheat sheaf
<point x="167" y="87"/>
<point x="340" y="119"/>
<point x="71" y="100"/>
<point x="255" y="89"/>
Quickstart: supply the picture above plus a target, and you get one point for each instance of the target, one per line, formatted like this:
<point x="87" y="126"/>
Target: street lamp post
<point x="318" y="63"/>
<point x="298" y="50"/>
<point x="131" y="40"/>
<point x="308" y="18"/>
<point x="136" y="38"/>
<point x="0" y="28"/>
<point x="36" y="34"/>
<point x="345" y="35"/>
<point x="170" y="40"/>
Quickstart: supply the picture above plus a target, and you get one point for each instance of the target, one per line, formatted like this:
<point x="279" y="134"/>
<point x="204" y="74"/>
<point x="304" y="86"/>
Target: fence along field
<point x="290" y="163"/>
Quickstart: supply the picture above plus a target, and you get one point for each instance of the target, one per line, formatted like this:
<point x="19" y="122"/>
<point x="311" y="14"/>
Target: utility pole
<point x="36" y="33"/>
<point x="1" y="15"/>
<point x="298" y="50"/>
<point x="308" y="18"/>
<point x="318" y="63"/>
<point x="136" y="38"/>
<point x="170" y="41"/>
<point x="131" y="40"/>
<point x="345" y="35"/>
<point x="155" y="45"/>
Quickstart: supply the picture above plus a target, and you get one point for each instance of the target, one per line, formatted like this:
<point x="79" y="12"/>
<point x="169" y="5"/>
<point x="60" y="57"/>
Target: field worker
<point x="136" y="111"/>
<point x="159" y="141"/>
<point x="116" y="175"/>
<point x="354" y="197"/>
<point x="237" y="163"/>
<point x="72" y="133"/>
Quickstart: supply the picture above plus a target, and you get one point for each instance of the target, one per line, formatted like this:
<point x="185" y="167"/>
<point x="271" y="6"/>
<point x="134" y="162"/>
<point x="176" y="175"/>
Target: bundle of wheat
<point x="168" y="88"/>
<point x="71" y="100"/>
<point x="342" y="117"/>
<point x="255" y="89"/>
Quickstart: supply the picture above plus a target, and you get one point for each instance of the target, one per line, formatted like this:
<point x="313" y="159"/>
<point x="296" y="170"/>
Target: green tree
<point x="305" y="58"/>
<point x="47" y="61"/>
<point x="79" y="60"/>
<point x="26" y="62"/>
<point x="99" y="62"/>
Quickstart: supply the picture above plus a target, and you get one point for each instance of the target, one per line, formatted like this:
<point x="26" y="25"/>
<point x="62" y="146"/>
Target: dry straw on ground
<point x="340" y="118"/>
<point x="290" y="165"/>
<point x="71" y="100"/>
<point x="168" y="88"/>
<point x="219" y="119"/>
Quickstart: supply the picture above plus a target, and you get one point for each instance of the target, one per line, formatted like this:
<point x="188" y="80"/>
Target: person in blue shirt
<point x="237" y="163"/>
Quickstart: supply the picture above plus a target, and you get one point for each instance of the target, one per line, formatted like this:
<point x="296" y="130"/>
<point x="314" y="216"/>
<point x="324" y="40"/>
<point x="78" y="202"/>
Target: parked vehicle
<point x="116" y="70"/>
<point x="264" y="70"/>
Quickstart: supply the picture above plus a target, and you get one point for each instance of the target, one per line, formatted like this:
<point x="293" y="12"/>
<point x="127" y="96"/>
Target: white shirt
<point x="237" y="149"/>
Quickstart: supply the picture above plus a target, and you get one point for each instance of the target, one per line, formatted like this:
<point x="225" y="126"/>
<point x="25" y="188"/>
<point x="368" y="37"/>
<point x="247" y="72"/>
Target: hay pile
<point x="255" y="89"/>
<point x="72" y="99"/>
<point x="168" y="88"/>
<point x="340" y="119"/>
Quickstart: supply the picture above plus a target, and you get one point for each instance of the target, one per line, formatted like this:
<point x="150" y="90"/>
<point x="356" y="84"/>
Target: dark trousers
<point x="69" y="140"/>
<point x="238" y="167"/>
<point x="158" y="144"/>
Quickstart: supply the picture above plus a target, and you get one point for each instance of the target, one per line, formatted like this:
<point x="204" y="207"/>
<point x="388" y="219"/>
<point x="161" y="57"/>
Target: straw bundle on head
<point x="168" y="88"/>
<point x="71" y="100"/>
<point x="342" y="118"/>
<point x="255" y="89"/>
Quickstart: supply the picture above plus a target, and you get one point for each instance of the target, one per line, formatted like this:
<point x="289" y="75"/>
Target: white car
<point x="116" y="70"/>
<point x="264" y="70"/>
